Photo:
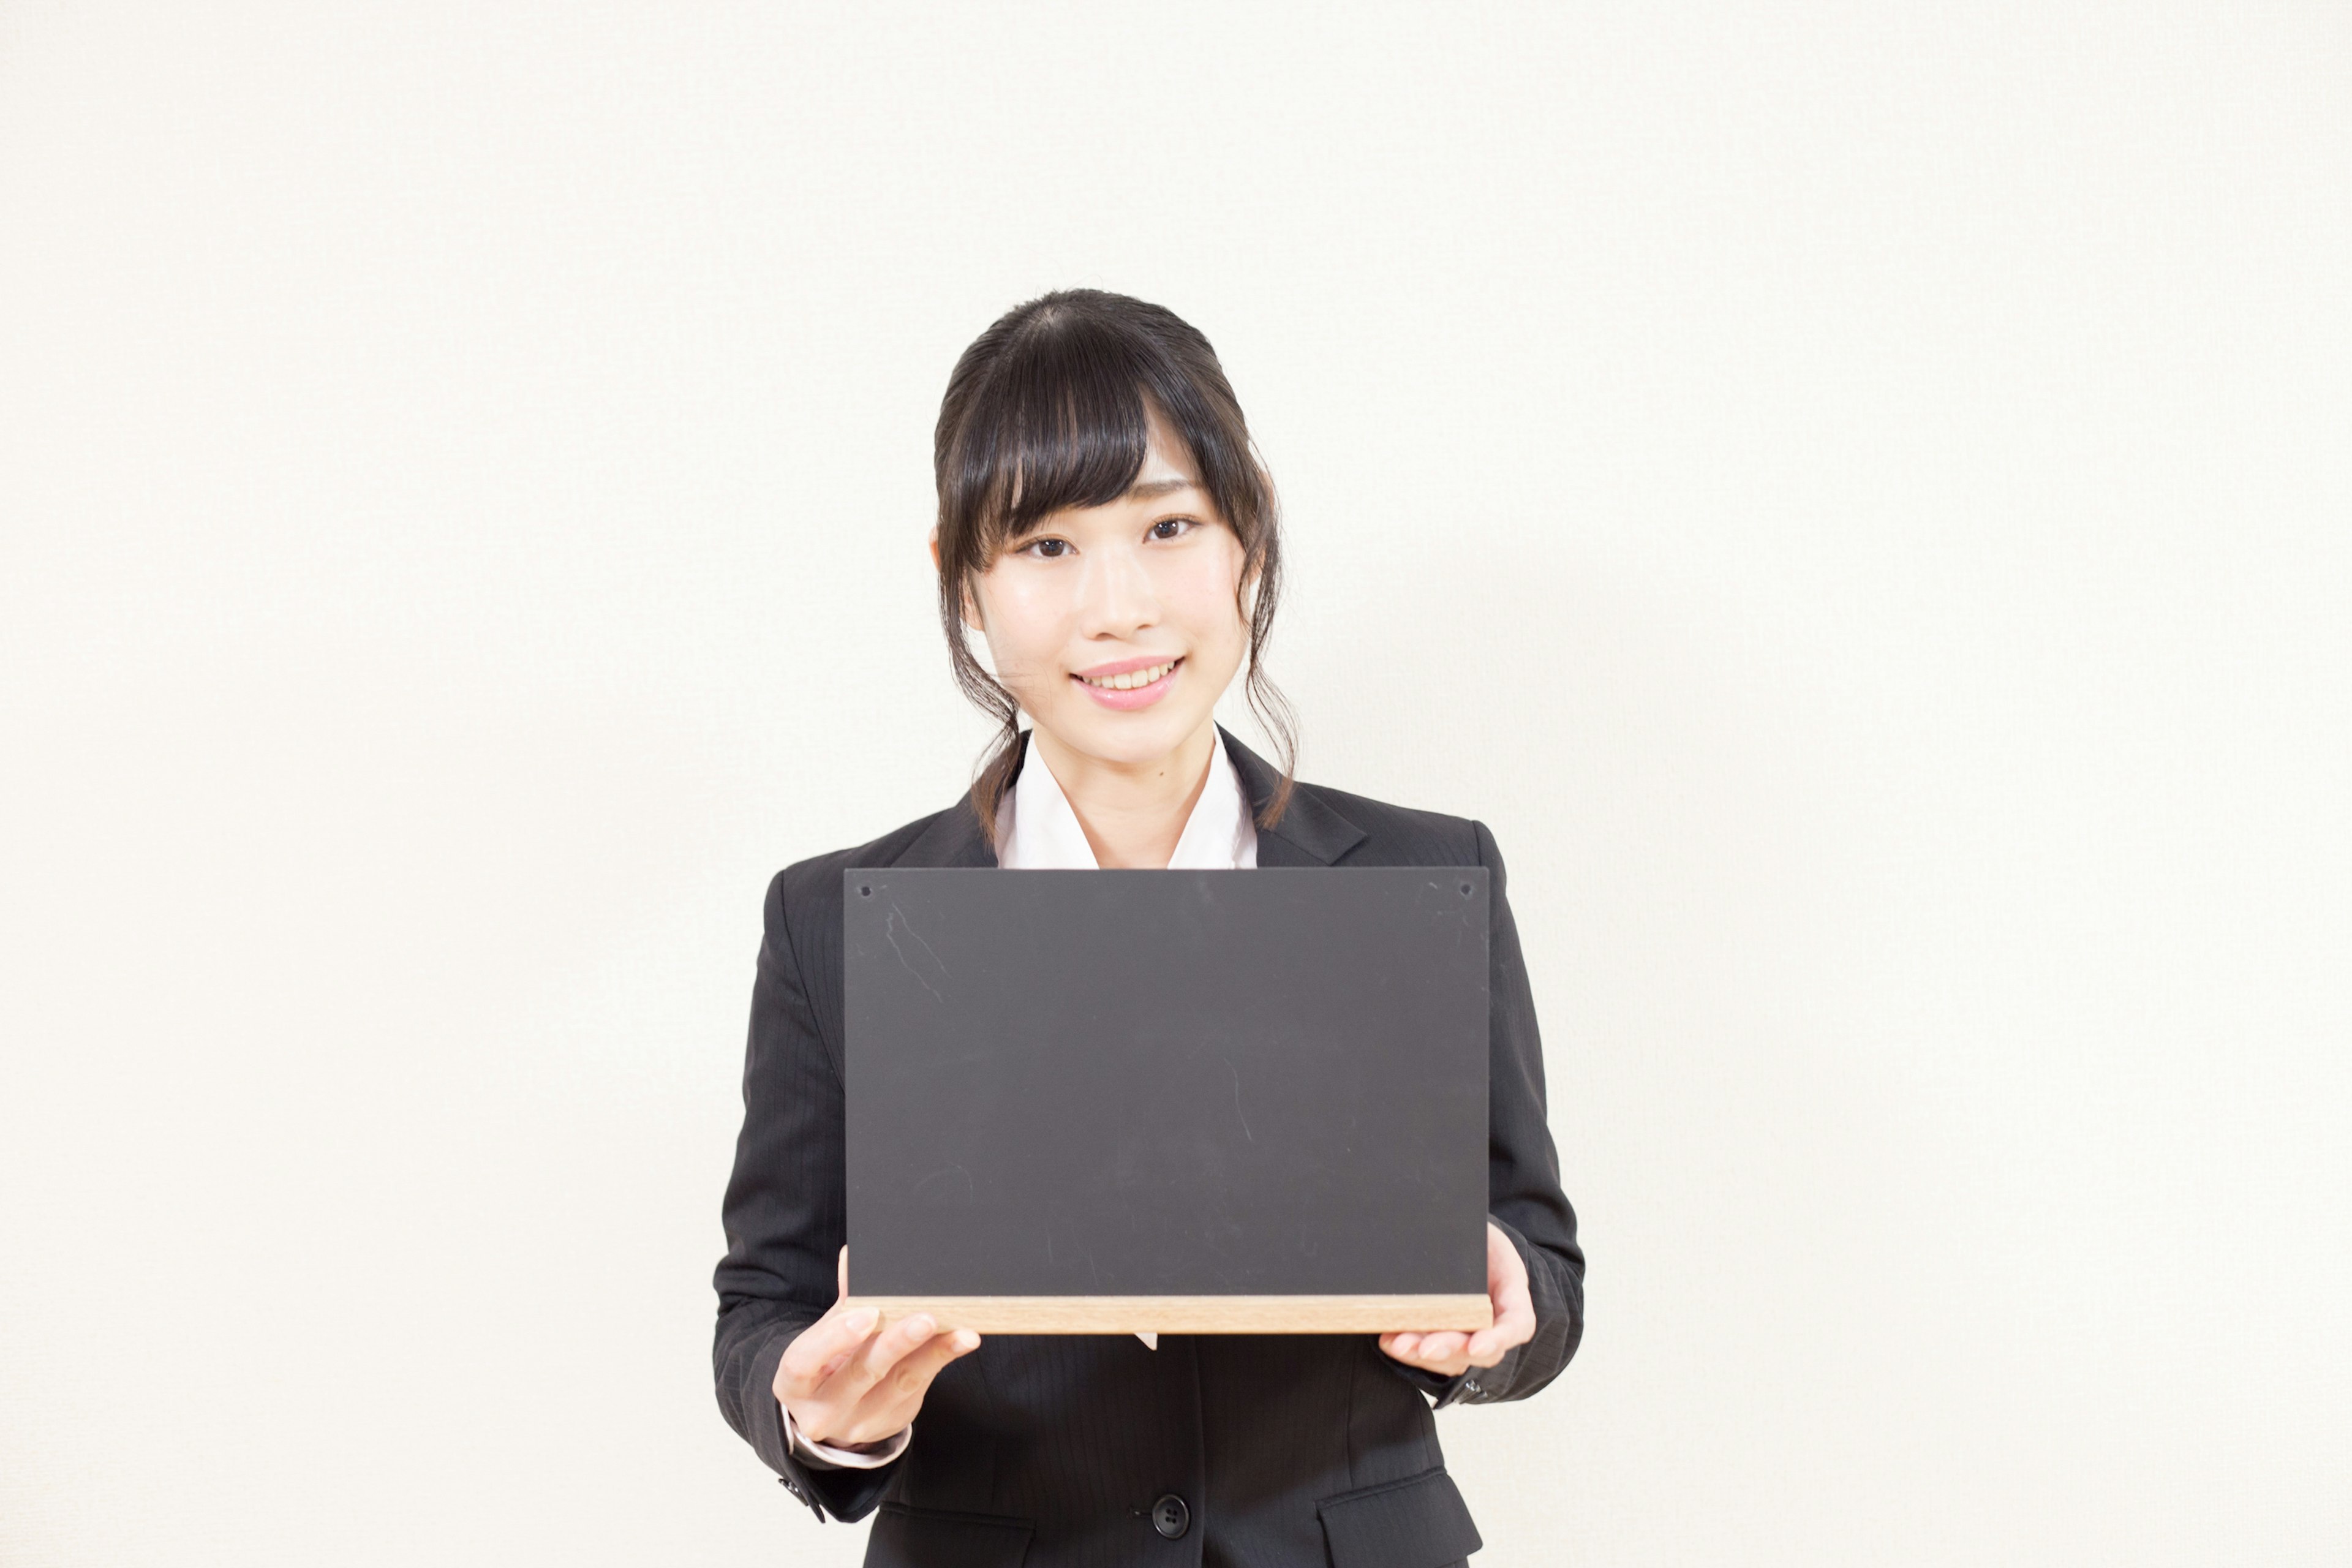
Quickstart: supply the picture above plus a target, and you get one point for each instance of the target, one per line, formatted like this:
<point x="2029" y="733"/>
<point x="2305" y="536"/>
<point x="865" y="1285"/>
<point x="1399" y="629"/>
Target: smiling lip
<point x="1135" y="695"/>
<point x="1126" y="665"/>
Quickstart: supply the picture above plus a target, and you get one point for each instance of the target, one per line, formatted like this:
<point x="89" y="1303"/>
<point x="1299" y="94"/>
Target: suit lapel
<point x="954" y="840"/>
<point x="1311" y="833"/>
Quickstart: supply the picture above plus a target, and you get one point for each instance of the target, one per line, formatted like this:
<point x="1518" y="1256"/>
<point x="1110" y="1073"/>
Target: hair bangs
<point x="1066" y="425"/>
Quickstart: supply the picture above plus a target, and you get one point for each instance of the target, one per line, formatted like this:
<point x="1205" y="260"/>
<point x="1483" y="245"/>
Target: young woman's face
<point x="1118" y="626"/>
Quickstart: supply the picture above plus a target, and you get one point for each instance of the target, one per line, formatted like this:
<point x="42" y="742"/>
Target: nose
<point x="1116" y="595"/>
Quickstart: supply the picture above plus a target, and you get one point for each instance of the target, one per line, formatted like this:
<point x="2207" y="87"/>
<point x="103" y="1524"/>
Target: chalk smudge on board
<point x="890" y="924"/>
<point x="1237" y="1097"/>
<point x="939" y="1186"/>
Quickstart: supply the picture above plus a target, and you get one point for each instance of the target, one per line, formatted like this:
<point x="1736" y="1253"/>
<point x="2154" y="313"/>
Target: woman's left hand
<point x="1450" y="1352"/>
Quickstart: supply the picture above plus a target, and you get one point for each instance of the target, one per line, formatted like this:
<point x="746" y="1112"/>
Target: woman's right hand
<point x="850" y="1387"/>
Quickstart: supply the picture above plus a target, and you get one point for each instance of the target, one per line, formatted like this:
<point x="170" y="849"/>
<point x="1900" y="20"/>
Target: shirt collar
<point x="1038" y="831"/>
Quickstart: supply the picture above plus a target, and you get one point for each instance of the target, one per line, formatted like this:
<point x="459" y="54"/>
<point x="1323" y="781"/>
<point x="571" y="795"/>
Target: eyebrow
<point x="1146" y="489"/>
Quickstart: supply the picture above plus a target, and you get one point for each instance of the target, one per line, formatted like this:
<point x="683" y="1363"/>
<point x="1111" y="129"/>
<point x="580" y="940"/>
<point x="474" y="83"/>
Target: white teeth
<point x="1132" y="680"/>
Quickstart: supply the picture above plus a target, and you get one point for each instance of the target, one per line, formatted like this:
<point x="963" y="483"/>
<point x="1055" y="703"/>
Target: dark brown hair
<point x="1047" y="409"/>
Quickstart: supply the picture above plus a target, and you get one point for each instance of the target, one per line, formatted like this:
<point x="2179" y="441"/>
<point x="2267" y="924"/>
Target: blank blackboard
<point x="1182" y="1100"/>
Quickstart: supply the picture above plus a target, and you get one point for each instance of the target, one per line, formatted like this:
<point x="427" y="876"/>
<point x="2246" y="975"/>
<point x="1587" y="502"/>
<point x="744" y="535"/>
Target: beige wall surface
<point x="1858" y="499"/>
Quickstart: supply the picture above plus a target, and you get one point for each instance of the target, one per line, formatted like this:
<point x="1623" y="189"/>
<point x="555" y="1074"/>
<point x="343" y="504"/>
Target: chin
<point x="1145" y="736"/>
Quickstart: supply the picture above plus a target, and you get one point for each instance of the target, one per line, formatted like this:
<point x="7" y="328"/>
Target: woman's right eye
<point x="1045" y="549"/>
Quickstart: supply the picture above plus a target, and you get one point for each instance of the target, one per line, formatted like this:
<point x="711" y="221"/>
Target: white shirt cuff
<point x="845" y="1459"/>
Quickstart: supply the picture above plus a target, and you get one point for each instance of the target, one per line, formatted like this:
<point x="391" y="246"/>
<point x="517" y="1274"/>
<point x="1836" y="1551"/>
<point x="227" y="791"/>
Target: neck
<point x="1132" y="813"/>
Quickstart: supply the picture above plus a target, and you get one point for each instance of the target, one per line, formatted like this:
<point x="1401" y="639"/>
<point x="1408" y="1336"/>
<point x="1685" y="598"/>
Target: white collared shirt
<point x="1036" y="830"/>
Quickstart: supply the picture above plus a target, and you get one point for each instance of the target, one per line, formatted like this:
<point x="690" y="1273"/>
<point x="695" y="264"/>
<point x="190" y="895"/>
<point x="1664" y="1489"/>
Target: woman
<point x="1105" y="525"/>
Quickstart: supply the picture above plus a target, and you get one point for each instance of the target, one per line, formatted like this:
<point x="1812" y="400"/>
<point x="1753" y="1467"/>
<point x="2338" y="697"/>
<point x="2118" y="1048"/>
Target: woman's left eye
<point x="1171" y="528"/>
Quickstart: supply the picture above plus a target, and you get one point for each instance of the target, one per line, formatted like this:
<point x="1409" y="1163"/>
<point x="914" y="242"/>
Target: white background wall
<point x="1862" y="504"/>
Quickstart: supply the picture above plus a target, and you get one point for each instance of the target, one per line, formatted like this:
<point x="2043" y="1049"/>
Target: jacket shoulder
<point x="814" y="883"/>
<point x="1401" y="835"/>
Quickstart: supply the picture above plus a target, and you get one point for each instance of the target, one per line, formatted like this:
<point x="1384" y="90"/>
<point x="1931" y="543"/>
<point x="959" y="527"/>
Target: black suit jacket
<point x="1287" y="1450"/>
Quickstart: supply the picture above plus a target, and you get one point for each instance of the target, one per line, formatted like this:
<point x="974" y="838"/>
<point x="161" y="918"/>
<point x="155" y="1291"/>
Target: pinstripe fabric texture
<point x="1288" y="1451"/>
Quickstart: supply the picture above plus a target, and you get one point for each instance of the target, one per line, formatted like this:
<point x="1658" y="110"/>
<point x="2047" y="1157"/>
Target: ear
<point x="1246" y="586"/>
<point x="971" y="606"/>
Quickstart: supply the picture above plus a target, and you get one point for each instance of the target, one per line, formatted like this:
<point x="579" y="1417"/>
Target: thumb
<point x="840" y="1270"/>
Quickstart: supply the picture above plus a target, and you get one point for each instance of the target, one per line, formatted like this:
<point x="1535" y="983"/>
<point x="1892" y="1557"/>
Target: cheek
<point x="1026" y="622"/>
<point x="1204" y="597"/>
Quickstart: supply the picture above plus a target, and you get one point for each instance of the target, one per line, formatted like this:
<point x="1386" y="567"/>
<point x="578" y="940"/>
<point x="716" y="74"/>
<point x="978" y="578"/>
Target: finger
<point x="1441" y="1347"/>
<point x="1444" y="1366"/>
<point x="1402" y="1347"/>
<point x="1515" y="1324"/>
<point x="1487" y="1347"/>
<point x="1516" y="1309"/>
<point x="1506" y="1274"/>
<point x="873" y="1360"/>
<point x="836" y="1334"/>
<point x="1513" y="1318"/>
<point x="823" y="1349"/>
<point x="1505" y="1267"/>
<point x="841" y="1272"/>
<point x="1514" y="1294"/>
<point x="894" y="1398"/>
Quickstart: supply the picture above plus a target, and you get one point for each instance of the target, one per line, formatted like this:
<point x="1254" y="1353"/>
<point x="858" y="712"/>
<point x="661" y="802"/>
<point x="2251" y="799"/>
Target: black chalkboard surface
<point x="1095" y="1101"/>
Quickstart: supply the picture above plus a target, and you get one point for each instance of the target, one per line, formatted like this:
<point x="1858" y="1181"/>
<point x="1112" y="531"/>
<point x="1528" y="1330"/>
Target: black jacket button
<point x="1170" y="1516"/>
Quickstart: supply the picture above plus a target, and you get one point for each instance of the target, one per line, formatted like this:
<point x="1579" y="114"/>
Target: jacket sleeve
<point x="786" y="1219"/>
<point x="1523" y="1193"/>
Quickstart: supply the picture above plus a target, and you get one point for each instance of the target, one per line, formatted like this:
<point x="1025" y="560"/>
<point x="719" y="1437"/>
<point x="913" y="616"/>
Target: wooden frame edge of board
<point x="1189" y="1314"/>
